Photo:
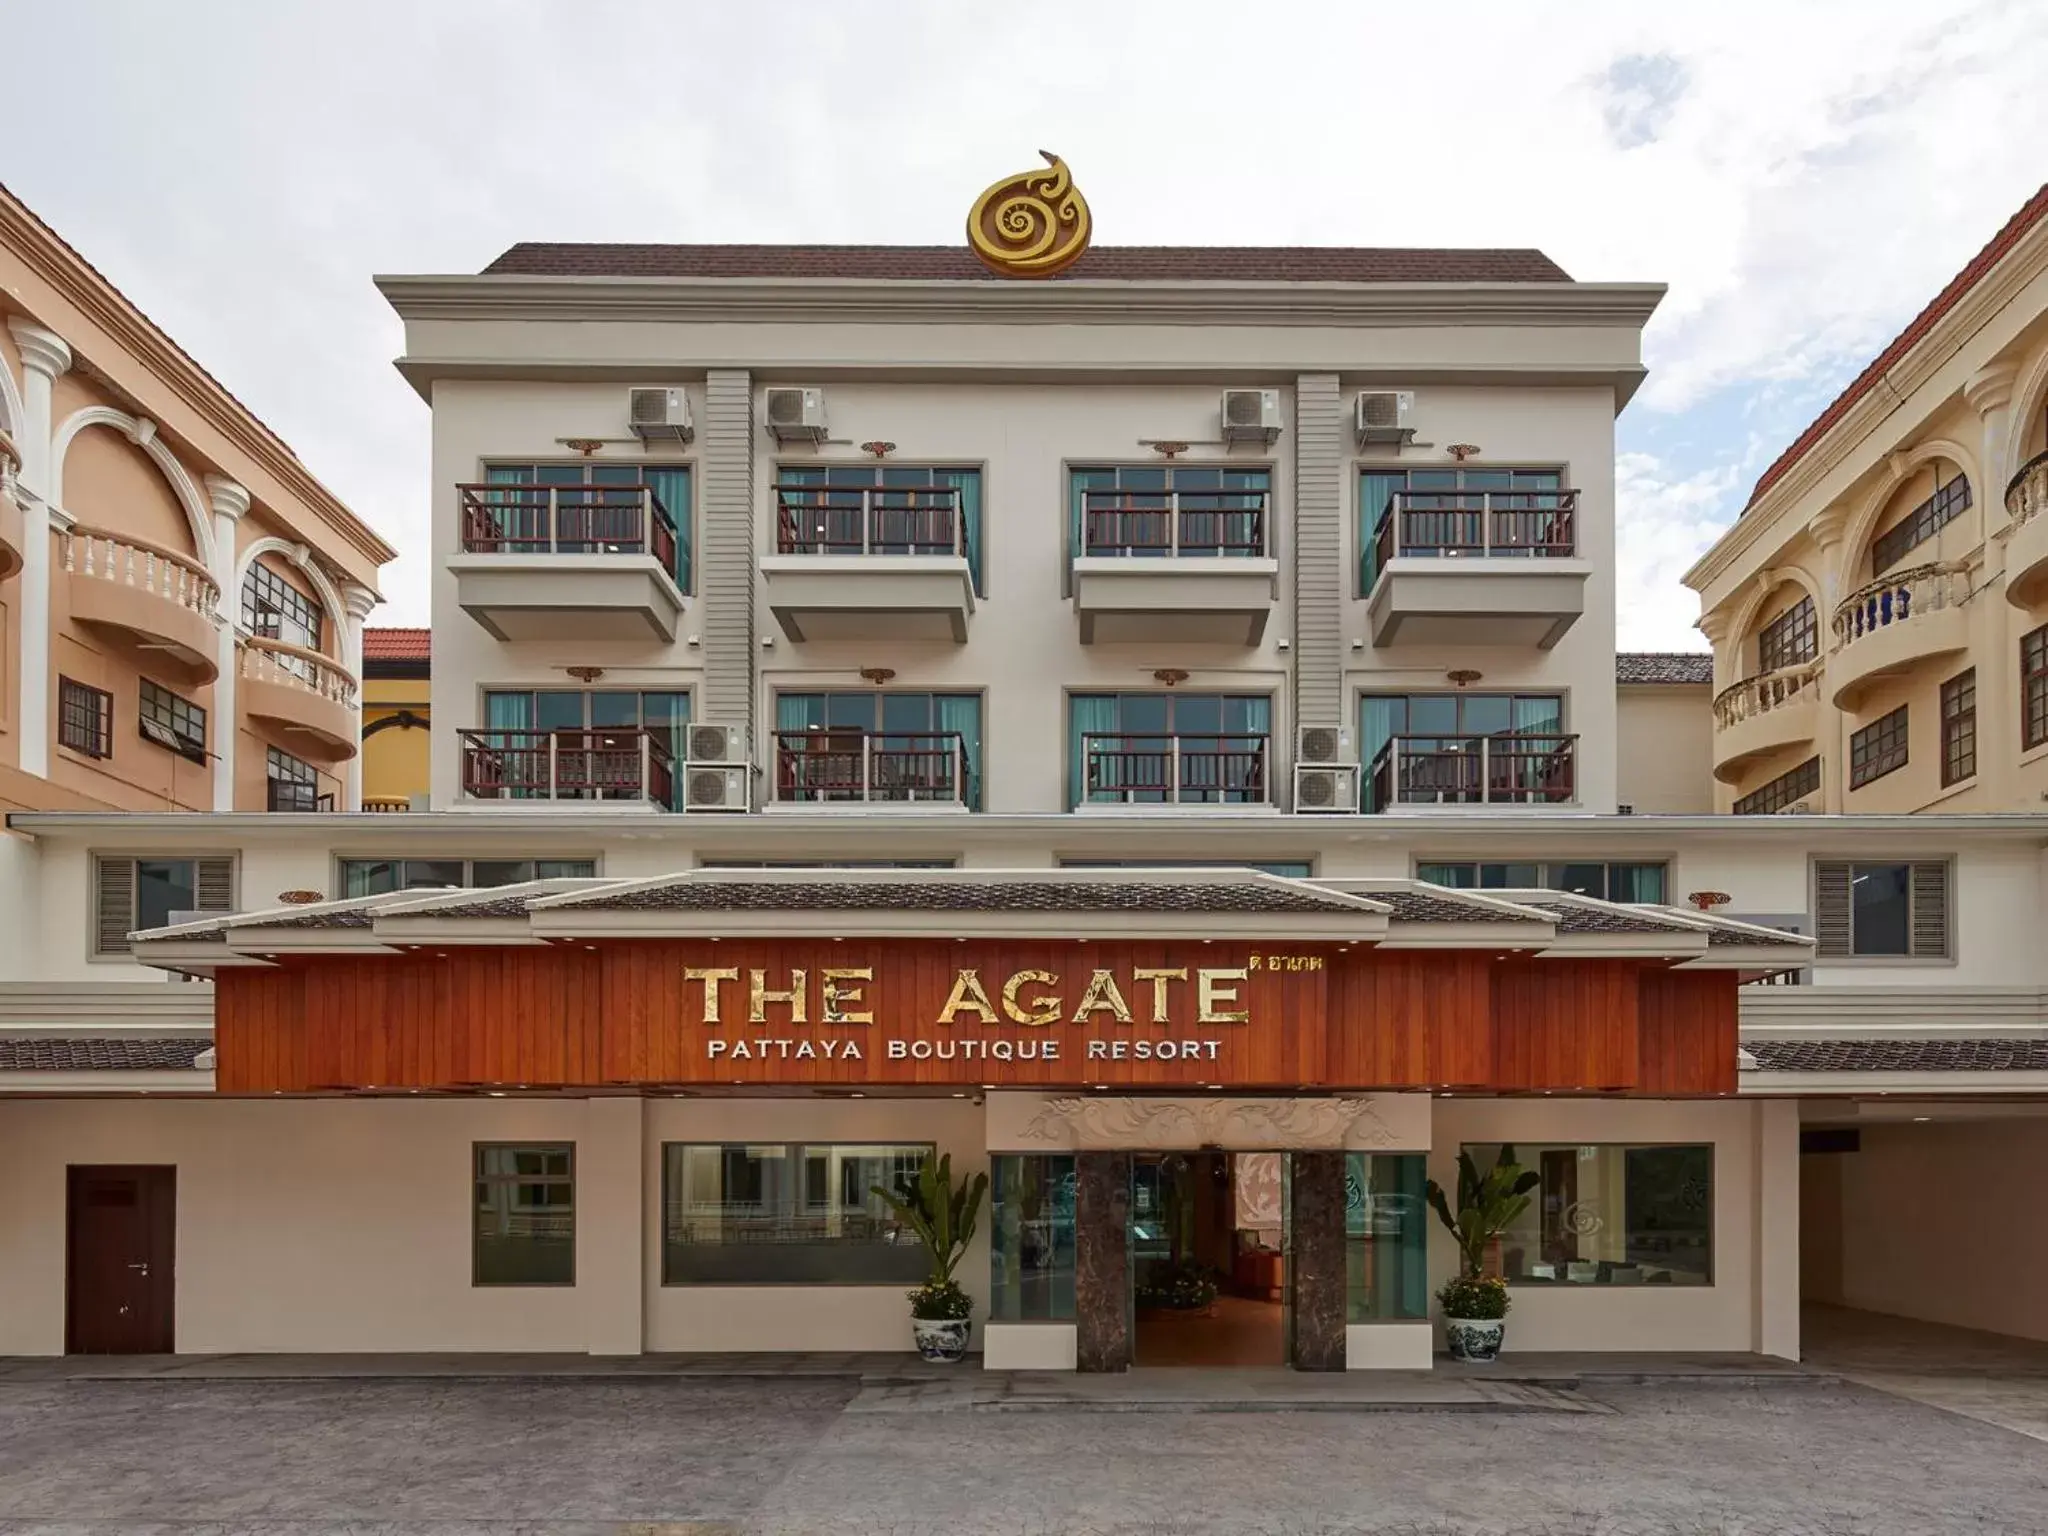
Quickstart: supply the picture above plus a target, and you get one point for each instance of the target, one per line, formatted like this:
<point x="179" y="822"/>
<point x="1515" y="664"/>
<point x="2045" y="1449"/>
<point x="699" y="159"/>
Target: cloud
<point x="1669" y="518"/>
<point x="1641" y="90"/>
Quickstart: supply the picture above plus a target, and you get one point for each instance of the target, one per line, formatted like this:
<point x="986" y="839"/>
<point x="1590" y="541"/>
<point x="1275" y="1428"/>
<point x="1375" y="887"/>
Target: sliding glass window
<point x="1386" y="1236"/>
<point x="1611" y="1215"/>
<point x="775" y="1213"/>
<point x="1031" y="1238"/>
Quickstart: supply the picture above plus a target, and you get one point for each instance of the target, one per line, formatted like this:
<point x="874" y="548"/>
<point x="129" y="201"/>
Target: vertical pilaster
<point x="358" y="601"/>
<point x="1319" y="574"/>
<point x="1315" y="1262"/>
<point x="727" y="564"/>
<point x="230" y="503"/>
<point x="610" y="1223"/>
<point x="1776" y="1202"/>
<point x="1989" y="392"/>
<point x="44" y="355"/>
<point x="1102" y="1261"/>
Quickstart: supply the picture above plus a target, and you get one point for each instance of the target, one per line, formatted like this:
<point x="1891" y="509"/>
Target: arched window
<point x="274" y="609"/>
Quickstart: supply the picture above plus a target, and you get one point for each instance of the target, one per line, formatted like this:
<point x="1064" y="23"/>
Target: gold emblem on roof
<point x="1030" y="225"/>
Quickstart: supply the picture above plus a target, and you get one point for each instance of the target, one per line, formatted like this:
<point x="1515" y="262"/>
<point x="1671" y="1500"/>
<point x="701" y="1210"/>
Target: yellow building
<point x="396" y="682"/>
<point x="1879" y="612"/>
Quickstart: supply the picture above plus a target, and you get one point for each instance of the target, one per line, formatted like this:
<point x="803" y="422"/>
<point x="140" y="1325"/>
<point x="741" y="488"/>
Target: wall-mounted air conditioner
<point x="1321" y="745"/>
<point x="659" y="415"/>
<point x="715" y="745"/>
<point x="1383" y="416"/>
<point x="1325" y="791"/>
<point x="796" y="415"/>
<point x="1251" y="415"/>
<point x="716" y="787"/>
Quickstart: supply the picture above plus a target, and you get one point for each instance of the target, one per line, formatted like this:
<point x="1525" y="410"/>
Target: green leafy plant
<point x="1178" y="1288"/>
<point x="940" y="1301"/>
<point x="941" y="1213"/>
<point x="1474" y="1298"/>
<point x="1487" y="1205"/>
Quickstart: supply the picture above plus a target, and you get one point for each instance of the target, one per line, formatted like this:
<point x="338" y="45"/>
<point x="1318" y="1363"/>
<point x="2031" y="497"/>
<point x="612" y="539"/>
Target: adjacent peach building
<point x="1879" y="612"/>
<point x="181" y="602"/>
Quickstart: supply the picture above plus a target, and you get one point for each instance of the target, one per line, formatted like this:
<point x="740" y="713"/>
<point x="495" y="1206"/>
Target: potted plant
<point x="942" y="1214"/>
<point x="1475" y="1303"/>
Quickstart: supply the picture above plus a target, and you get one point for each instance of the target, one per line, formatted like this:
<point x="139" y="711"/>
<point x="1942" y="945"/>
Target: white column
<point x="359" y="601"/>
<point x="44" y="355"/>
<point x="1776" y="1200"/>
<point x="611" y="1219"/>
<point x="1989" y="393"/>
<point x="230" y="504"/>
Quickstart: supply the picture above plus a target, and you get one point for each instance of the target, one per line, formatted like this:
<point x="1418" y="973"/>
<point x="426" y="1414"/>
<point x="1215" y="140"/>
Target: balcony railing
<point x="869" y="520"/>
<point x="567" y="520"/>
<point x="294" y="666"/>
<point x="2026" y="497"/>
<point x="1477" y="524"/>
<point x="1760" y="695"/>
<point x="1171" y="524"/>
<point x="10" y="463"/>
<point x="1143" y="769"/>
<point x="864" y="767"/>
<point x="1899" y="598"/>
<point x="134" y="563"/>
<point x="1519" y="768"/>
<point x="387" y="805"/>
<point x="623" y="763"/>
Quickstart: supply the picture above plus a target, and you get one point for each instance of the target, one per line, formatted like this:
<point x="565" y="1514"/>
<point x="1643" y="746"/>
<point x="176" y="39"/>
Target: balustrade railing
<point x="578" y="763"/>
<point x="1173" y="523"/>
<point x="567" y="520"/>
<point x="866" y="767"/>
<point x="99" y="555"/>
<point x="869" y="520"/>
<point x="1899" y="598"/>
<point x="1159" y="769"/>
<point x="1513" y="768"/>
<point x="294" y="666"/>
<point x="1477" y="524"/>
<point x="1768" y="691"/>
<point x="2026" y="497"/>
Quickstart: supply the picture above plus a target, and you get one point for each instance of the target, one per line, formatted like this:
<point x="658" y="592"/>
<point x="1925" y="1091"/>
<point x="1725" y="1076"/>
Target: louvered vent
<point x="114" y="880"/>
<point x="1930" y="911"/>
<point x="1831" y="928"/>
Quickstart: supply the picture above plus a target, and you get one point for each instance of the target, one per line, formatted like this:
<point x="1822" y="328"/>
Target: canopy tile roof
<point x="1950" y="1053"/>
<point x="72" y="1053"/>
<point x="1668" y="667"/>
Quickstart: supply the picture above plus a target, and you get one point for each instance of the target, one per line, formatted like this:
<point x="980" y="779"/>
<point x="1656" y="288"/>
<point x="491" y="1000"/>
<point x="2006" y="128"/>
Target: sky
<point x="1803" y="174"/>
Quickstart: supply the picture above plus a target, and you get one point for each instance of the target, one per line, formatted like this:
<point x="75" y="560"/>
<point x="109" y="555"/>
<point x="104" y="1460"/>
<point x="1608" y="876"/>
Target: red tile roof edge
<point x="395" y="644"/>
<point x="2008" y="236"/>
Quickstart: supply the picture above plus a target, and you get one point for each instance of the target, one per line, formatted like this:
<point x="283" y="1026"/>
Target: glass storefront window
<point x="1386" y="1236"/>
<point x="1611" y="1215"/>
<point x="1031" y="1238"/>
<point x="525" y="1231"/>
<point x="787" y="1214"/>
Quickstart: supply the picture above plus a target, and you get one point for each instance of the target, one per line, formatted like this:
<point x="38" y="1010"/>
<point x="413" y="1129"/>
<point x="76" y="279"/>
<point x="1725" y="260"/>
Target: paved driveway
<point x="700" y="1457"/>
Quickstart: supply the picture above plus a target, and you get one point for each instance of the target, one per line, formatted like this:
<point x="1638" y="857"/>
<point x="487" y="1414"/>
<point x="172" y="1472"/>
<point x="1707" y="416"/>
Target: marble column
<point x="1102" y="1261"/>
<point x="1316" y="1279"/>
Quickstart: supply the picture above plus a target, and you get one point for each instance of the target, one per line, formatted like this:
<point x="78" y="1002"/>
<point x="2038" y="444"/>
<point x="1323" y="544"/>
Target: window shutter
<point x="213" y="884"/>
<point x="113" y="905"/>
<point x="1831" y="908"/>
<point x="1930" y="911"/>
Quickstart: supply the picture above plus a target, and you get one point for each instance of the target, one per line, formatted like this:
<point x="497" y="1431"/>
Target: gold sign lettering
<point x="837" y="991"/>
<point x="1211" y="994"/>
<point x="1102" y="996"/>
<point x="1159" y="978"/>
<point x="711" y="979"/>
<point x="1042" y="1011"/>
<point x="968" y="994"/>
<point x="760" y="995"/>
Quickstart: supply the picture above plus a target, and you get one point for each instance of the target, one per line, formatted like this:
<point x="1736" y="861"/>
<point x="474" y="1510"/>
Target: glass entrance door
<point x="1208" y="1268"/>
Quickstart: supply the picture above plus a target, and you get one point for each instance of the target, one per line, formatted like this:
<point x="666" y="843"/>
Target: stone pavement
<point x="1991" y="1377"/>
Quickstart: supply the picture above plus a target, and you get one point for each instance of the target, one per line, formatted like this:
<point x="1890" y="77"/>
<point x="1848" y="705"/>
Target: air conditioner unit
<point x="715" y="745"/>
<point x="1251" y="415"/>
<point x="1321" y="744"/>
<point x="1326" y="791"/>
<point x="660" y="415"/>
<point x="796" y="415"/>
<point x="716" y="787"/>
<point x="1383" y="416"/>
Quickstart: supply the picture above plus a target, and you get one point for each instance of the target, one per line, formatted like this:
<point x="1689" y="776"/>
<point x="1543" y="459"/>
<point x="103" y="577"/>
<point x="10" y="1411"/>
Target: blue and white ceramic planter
<point x="941" y="1338"/>
<point x="1471" y="1338"/>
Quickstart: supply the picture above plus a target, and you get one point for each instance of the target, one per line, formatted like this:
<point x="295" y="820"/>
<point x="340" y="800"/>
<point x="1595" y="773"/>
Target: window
<point x="795" y="1214"/>
<point x="1789" y="639"/>
<point x="525" y="1215"/>
<point x="294" y="784"/>
<point x="1445" y="513"/>
<point x="1959" y="728"/>
<point x="878" y="746"/>
<point x="669" y="482"/>
<point x="510" y="755"/>
<point x="1880" y="911"/>
<point x="1174" y="510"/>
<point x="1442" y="739"/>
<point x="1292" y="869"/>
<point x="1878" y="749"/>
<point x="374" y="877"/>
<point x="1610" y="882"/>
<point x="136" y="893"/>
<point x="1386" y="1236"/>
<point x="1031" y="1238"/>
<point x="274" y="609"/>
<point x="880" y="509"/>
<point x="1168" y="748"/>
<point x="1786" y="789"/>
<point x="1611" y="1215"/>
<point x="1948" y="503"/>
<point x="172" y="721"/>
<point x="2034" y="687"/>
<point x="85" y="718"/>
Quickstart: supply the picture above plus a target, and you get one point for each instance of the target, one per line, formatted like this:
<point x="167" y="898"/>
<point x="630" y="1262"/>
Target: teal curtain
<point x="1380" y="718"/>
<point x="1635" y="882"/>
<point x="799" y="711"/>
<point x="961" y="713"/>
<point x="1079" y="482"/>
<point x="1543" y="714"/>
<point x="1457" y="875"/>
<point x="968" y="483"/>
<point x="508" y="711"/>
<point x="672" y="485"/>
<point x="1089" y="714"/>
<point x="1374" y="489"/>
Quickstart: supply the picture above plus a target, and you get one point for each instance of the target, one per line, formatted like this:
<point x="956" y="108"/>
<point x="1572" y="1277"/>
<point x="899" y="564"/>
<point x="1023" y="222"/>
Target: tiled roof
<point x="1572" y="917"/>
<point x="945" y="263"/>
<point x="102" y="1054"/>
<point x="1753" y="938"/>
<point x="1664" y="667"/>
<point x="1428" y="907"/>
<point x="2015" y="229"/>
<point x="963" y="896"/>
<point x="1945" y="1054"/>
<point x="398" y="644"/>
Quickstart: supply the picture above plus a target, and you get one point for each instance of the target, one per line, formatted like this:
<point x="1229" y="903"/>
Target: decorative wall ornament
<point x="585" y="674"/>
<point x="1186" y="1124"/>
<point x="878" y="448"/>
<point x="300" y="898"/>
<point x="1462" y="451"/>
<point x="587" y="446"/>
<point x="1034" y="224"/>
<point x="1706" y="901"/>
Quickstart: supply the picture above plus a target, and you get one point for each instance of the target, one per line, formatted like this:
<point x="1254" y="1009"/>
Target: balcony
<point x="1512" y="771"/>
<point x="1896" y="623"/>
<point x="1125" y="770"/>
<point x="869" y="563"/>
<point x="567" y="562"/>
<point x="1765" y="714"/>
<point x="157" y="600"/>
<point x="2026" y="550"/>
<point x="627" y="768"/>
<point x="1176" y="566"/>
<point x="302" y="696"/>
<point x="843" y="767"/>
<point x="1476" y="568"/>
<point x="10" y="510"/>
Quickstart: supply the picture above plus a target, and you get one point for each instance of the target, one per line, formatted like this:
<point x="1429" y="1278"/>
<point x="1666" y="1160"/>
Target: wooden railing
<point x="1482" y="524"/>
<point x="1900" y="598"/>
<point x="623" y="763"/>
<point x="827" y="766"/>
<point x="1768" y="691"/>
<point x="1514" y="768"/>
<point x="294" y="666"/>
<point x="1173" y="523"/>
<point x="1157" y="769"/>
<point x="2026" y="497"/>
<point x="100" y="555"/>
<point x="869" y="520"/>
<point x="567" y="520"/>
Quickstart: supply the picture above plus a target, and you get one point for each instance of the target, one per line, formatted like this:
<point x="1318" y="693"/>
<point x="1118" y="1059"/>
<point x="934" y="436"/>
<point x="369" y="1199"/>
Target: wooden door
<point x="120" y="1227"/>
